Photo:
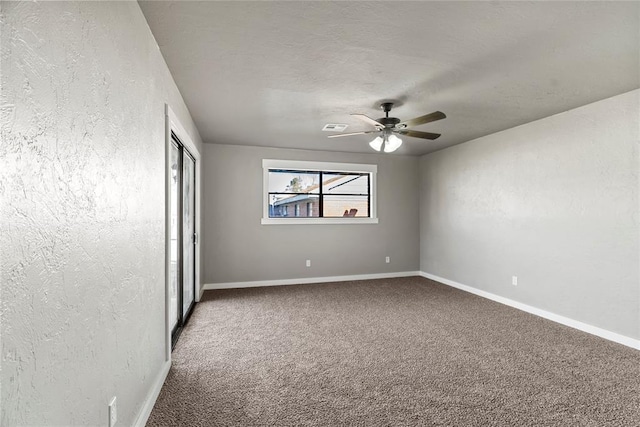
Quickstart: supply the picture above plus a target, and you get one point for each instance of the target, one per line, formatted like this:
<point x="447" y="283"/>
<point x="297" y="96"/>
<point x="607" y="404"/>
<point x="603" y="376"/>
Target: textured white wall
<point x="237" y="248"/>
<point x="82" y="204"/>
<point x="554" y="202"/>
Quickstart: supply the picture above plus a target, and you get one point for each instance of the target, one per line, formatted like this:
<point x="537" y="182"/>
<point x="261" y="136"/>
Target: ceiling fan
<point x="388" y="126"/>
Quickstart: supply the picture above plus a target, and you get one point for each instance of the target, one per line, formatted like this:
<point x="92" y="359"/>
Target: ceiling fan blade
<point x="418" y="134"/>
<point x="352" y="133"/>
<point x="437" y="115"/>
<point x="369" y="120"/>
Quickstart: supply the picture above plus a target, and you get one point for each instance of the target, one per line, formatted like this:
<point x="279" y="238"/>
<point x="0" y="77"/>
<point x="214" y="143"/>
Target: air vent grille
<point x="334" y="127"/>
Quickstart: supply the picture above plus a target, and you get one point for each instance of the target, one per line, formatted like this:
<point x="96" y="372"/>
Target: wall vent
<point x="334" y="127"/>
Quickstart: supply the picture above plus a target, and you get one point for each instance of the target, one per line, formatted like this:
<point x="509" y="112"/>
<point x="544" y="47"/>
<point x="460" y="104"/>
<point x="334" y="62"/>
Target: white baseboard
<point x="584" y="327"/>
<point x="143" y="416"/>
<point x="307" y="280"/>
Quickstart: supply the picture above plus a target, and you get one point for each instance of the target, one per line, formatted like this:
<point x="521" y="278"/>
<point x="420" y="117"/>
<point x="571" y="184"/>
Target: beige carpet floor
<point x="390" y="352"/>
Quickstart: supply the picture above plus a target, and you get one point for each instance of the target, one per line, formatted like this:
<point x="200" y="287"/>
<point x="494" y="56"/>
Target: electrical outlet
<point x="308" y="263"/>
<point x="514" y="280"/>
<point x="387" y="260"/>
<point x="113" y="412"/>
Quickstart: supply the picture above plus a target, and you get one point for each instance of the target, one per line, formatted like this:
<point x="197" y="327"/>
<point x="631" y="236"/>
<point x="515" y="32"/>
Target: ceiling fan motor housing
<point x="387" y="121"/>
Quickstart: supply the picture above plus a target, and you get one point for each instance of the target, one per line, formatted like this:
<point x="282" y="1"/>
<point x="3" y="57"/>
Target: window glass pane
<point x="345" y="183"/>
<point x="188" y="229"/>
<point x="284" y="205"/>
<point x="293" y="181"/>
<point x="173" y="252"/>
<point x="346" y="206"/>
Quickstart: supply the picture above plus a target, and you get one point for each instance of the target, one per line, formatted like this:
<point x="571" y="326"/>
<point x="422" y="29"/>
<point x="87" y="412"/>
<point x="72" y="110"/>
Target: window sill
<point x="307" y="221"/>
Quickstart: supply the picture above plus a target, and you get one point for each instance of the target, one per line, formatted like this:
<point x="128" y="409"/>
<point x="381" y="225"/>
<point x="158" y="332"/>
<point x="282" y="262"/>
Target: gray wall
<point x="82" y="203"/>
<point x="554" y="202"/>
<point x="238" y="248"/>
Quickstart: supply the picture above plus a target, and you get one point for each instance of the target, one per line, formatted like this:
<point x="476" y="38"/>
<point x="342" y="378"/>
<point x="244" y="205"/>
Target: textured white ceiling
<point x="273" y="73"/>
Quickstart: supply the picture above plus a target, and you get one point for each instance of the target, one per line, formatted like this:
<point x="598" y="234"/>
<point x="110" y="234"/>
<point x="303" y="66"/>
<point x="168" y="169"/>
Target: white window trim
<point x="318" y="166"/>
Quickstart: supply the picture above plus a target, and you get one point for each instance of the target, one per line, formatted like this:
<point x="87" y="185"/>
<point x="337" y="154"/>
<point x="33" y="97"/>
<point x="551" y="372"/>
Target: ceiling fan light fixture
<point x="393" y="143"/>
<point x="376" y="144"/>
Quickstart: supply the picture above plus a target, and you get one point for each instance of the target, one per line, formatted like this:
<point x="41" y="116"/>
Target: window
<point x="332" y="193"/>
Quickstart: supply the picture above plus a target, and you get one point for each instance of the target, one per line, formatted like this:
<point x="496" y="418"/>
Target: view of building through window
<point x="318" y="194"/>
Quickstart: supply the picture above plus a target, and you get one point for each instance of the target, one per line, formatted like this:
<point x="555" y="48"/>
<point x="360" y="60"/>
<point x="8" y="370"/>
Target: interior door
<point x="183" y="237"/>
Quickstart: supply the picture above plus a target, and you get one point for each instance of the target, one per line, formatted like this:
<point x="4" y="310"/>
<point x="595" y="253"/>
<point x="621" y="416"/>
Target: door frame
<point x="172" y="124"/>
